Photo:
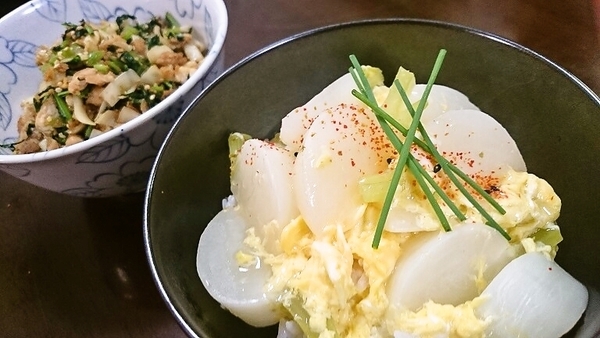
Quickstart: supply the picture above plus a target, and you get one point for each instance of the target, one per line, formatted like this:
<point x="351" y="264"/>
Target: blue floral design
<point x="169" y="115"/>
<point x="130" y="178"/>
<point x="187" y="8"/>
<point x="53" y="10"/>
<point x="12" y="53"/>
<point x="107" y="151"/>
<point x="116" y="148"/>
<point x="15" y="170"/>
<point x="95" y="11"/>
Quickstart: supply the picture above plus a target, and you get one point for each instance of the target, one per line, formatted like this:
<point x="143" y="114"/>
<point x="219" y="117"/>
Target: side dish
<point x="101" y="75"/>
<point x="389" y="211"/>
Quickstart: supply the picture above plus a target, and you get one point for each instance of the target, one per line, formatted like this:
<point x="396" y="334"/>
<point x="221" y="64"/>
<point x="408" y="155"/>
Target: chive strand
<point x="366" y="90"/>
<point x="415" y="123"/>
<point x="359" y="85"/>
<point x="418" y="172"/>
<point x="394" y="184"/>
<point x="391" y="121"/>
<point x="461" y="216"/>
<point x="406" y="159"/>
<point x="436" y="206"/>
<point x="394" y="123"/>
<point x="444" y="164"/>
<point x="430" y="147"/>
<point x="366" y="87"/>
<point x="477" y="188"/>
<point x="387" y="202"/>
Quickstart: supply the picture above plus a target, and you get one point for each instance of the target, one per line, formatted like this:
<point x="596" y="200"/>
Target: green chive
<point x="425" y="181"/>
<point x="63" y="109"/>
<point x="450" y="172"/>
<point x="421" y="171"/>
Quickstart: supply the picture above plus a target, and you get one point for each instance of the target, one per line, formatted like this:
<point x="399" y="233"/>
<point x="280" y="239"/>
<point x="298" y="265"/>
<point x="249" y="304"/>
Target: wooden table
<point x="73" y="267"/>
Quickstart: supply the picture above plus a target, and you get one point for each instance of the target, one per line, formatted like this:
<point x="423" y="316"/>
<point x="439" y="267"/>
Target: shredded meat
<point x="88" y="76"/>
<point x="139" y="45"/>
<point x="95" y="97"/>
<point x="114" y="40"/>
<point x="171" y="58"/>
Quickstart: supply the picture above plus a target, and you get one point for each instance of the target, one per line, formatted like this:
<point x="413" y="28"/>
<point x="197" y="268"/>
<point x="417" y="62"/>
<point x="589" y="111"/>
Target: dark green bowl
<point x="553" y="116"/>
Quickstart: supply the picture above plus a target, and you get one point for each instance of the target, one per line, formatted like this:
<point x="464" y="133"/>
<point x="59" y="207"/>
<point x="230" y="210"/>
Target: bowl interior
<point x="553" y="117"/>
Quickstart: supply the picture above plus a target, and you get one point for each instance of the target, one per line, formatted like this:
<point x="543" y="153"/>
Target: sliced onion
<point x="151" y="76"/>
<point x="79" y="111"/>
<point x="532" y="297"/>
<point x="238" y="290"/>
<point x="95" y="132"/>
<point x="155" y="52"/>
<point x="127" y="114"/>
<point x="107" y="118"/>
<point x="193" y="52"/>
<point x="121" y="84"/>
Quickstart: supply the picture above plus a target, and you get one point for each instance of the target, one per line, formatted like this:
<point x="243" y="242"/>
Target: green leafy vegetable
<point x="63" y="108"/>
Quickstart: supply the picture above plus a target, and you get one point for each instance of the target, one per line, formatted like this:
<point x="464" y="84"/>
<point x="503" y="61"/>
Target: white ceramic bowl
<point x="120" y="160"/>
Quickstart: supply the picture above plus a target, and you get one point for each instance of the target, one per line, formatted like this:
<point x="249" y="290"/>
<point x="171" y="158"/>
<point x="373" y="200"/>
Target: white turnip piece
<point x="237" y="288"/>
<point x="448" y="267"/>
<point x="532" y="297"/>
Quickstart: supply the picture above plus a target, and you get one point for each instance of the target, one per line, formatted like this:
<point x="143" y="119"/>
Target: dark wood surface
<point x="73" y="267"/>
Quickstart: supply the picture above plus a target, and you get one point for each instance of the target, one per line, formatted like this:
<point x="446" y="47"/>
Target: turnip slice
<point x="341" y="146"/>
<point x="407" y="216"/>
<point x="295" y="124"/>
<point x="237" y="288"/>
<point x="448" y="267"/>
<point x="475" y="142"/>
<point x="441" y="99"/>
<point x="533" y="297"/>
<point x="261" y="181"/>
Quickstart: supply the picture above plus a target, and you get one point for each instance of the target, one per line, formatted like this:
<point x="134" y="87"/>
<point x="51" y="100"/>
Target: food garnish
<point x="365" y="94"/>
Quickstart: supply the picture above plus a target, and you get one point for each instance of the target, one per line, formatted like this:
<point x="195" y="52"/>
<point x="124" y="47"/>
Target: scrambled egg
<point x="336" y="284"/>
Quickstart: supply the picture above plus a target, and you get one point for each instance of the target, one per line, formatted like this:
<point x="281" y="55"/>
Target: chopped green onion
<point x="116" y="65"/>
<point x="171" y="21"/>
<point x="128" y="32"/>
<point x="94" y="57"/>
<point x="88" y="132"/>
<point x="63" y="109"/>
<point x="102" y="68"/>
<point x="152" y="41"/>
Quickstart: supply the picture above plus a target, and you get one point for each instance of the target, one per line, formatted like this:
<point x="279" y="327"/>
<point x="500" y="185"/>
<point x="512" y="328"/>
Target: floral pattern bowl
<point x="118" y="161"/>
